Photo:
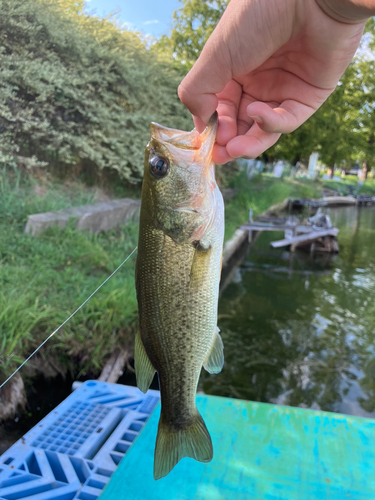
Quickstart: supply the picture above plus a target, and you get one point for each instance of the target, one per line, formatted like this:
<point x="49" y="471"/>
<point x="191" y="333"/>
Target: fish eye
<point x="159" y="166"/>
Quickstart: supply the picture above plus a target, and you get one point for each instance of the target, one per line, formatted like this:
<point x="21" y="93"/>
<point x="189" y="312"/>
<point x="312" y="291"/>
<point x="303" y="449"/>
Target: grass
<point x="349" y="185"/>
<point x="43" y="280"/>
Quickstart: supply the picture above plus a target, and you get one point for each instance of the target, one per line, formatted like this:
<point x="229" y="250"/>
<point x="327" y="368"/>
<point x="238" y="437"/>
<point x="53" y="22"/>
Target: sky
<point x="149" y="16"/>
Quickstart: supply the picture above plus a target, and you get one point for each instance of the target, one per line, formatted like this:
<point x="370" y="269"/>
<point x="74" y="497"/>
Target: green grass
<point x="349" y="185"/>
<point x="43" y="280"/>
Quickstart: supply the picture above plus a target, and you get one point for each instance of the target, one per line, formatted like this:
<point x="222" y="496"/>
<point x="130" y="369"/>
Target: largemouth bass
<point x="177" y="280"/>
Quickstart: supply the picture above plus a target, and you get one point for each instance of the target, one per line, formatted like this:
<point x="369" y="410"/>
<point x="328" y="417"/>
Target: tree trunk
<point x="364" y="170"/>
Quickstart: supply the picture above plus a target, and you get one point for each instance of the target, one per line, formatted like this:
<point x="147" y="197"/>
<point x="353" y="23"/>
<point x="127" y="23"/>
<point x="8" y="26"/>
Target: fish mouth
<point x="202" y="143"/>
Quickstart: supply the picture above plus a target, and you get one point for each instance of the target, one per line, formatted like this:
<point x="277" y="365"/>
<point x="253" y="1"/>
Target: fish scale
<point x="177" y="280"/>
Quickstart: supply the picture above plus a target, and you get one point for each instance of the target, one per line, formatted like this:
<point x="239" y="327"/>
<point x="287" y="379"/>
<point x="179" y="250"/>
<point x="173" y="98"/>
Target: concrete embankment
<point x="95" y="218"/>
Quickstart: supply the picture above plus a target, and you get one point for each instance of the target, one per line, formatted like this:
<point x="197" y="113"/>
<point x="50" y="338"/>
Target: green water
<point x="299" y="330"/>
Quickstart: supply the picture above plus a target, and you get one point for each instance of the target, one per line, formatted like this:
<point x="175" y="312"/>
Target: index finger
<point x="228" y="104"/>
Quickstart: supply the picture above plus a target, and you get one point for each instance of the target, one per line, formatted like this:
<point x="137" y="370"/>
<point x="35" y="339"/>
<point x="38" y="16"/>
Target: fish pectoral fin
<point x="201" y="253"/>
<point x="215" y="358"/>
<point x="144" y="370"/>
<point x="172" y="445"/>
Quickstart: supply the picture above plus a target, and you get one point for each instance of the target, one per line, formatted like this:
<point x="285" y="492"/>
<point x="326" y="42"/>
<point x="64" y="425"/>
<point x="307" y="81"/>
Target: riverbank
<point x="44" y="279"/>
<point x="260" y="193"/>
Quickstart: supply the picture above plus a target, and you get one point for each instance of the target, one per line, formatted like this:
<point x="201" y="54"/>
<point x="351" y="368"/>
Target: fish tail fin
<point x="172" y="445"/>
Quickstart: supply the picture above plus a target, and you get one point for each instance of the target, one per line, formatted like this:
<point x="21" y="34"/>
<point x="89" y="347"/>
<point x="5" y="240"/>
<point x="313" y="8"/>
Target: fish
<point x="178" y="269"/>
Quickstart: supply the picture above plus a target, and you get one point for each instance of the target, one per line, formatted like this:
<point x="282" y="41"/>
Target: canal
<point x="299" y="329"/>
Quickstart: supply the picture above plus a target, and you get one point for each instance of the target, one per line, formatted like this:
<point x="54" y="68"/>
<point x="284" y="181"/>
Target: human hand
<point x="267" y="67"/>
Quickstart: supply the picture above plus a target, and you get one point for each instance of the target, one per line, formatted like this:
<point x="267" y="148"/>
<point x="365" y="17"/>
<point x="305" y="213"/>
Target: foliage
<point x="192" y="24"/>
<point x="350" y="186"/>
<point x="79" y="90"/>
<point x="19" y="316"/>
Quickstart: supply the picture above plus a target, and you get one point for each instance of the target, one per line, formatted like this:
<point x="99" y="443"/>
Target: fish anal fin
<point x="144" y="371"/>
<point x="215" y="359"/>
<point x="173" y="444"/>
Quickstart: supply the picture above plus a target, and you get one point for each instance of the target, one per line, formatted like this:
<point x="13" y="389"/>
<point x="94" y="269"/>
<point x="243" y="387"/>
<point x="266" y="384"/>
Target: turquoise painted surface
<point x="261" y="451"/>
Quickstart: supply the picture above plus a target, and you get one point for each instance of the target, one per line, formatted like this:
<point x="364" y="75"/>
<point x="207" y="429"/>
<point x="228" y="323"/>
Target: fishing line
<point x="71" y="316"/>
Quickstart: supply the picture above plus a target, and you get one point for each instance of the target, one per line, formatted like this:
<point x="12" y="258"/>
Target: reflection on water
<point x="299" y="330"/>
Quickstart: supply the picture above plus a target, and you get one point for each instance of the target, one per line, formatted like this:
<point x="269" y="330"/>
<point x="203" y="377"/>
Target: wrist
<point x="348" y="11"/>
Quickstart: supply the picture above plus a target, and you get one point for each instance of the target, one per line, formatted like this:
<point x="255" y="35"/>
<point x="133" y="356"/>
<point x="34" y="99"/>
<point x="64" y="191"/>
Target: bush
<point x="77" y="90"/>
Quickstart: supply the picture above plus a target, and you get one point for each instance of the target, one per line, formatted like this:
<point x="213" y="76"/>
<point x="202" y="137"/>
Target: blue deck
<point x="261" y="451"/>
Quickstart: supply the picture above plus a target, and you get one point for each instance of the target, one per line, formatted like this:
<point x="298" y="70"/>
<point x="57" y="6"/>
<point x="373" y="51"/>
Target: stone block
<point x="95" y="218"/>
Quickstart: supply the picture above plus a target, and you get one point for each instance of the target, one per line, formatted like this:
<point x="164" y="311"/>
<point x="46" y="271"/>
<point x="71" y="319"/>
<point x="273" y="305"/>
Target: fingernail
<point x="256" y="118"/>
<point x="199" y="124"/>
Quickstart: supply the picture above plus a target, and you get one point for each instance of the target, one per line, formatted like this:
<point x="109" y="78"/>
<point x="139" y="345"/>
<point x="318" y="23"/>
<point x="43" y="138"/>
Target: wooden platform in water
<point x="261" y="451"/>
<point x="322" y="239"/>
<point x="365" y="200"/>
<point x="305" y="238"/>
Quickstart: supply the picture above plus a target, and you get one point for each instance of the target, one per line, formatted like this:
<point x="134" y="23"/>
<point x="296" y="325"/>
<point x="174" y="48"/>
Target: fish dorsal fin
<point x="144" y="371"/>
<point x="215" y="359"/>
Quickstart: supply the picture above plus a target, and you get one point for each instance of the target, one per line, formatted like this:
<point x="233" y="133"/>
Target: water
<point x="299" y="330"/>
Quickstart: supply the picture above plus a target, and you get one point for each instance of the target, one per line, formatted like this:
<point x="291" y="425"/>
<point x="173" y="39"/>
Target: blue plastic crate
<point x="73" y="451"/>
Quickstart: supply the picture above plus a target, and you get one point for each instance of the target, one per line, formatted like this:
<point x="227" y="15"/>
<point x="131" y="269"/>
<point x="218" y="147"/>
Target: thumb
<point x="208" y="77"/>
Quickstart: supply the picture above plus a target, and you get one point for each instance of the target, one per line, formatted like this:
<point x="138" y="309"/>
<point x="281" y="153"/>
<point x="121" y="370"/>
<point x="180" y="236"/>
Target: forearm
<point x="348" y="11"/>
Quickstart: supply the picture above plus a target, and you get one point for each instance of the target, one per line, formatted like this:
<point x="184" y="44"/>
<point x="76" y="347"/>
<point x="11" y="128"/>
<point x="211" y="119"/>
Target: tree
<point x="192" y="24"/>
